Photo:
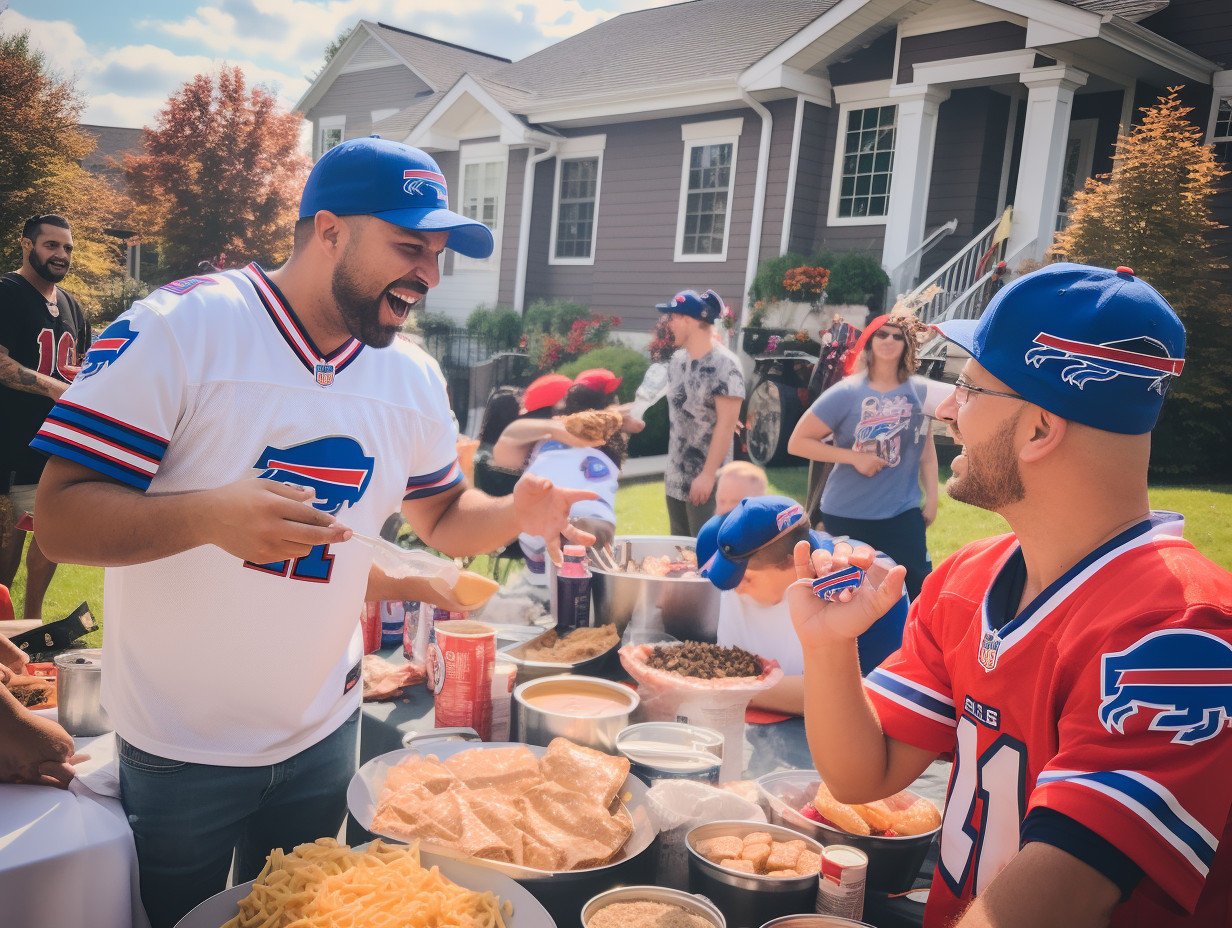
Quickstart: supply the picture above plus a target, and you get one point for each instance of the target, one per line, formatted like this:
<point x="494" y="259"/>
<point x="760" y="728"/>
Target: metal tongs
<point x="602" y="557"/>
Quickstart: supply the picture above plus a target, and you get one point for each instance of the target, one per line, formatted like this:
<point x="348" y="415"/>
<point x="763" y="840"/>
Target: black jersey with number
<point x="41" y="340"/>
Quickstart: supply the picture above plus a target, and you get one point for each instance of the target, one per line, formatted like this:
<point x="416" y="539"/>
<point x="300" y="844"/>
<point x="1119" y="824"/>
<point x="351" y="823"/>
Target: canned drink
<point x="370" y="623"/>
<point x="462" y="659"/>
<point x="393" y="622"/>
<point x="840" y="885"/>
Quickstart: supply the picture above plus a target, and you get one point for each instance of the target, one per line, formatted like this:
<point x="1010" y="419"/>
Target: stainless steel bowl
<point x="539" y="726"/>
<point x="694" y="905"/>
<point x="534" y="670"/>
<point x="893" y="863"/>
<point x="684" y="609"/>
<point x="813" y="920"/>
<point x="672" y="751"/>
<point x="746" y="899"/>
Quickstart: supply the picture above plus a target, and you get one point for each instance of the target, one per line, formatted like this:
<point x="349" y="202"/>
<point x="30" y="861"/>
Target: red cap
<point x="548" y="390"/>
<point x="598" y="378"/>
<point x="853" y="353"/>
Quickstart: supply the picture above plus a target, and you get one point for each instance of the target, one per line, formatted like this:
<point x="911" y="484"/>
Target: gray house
<point x="678" y="146"/>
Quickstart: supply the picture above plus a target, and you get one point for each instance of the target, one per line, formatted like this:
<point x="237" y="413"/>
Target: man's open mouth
<point x="400" y="301"/>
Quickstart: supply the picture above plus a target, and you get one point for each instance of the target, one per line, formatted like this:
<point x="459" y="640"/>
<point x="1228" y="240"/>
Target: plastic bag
<point x="401" y="562"/>
<point x="652" y="389"/>
<point x="718" y="704"/>
<point x="678" y="806"/>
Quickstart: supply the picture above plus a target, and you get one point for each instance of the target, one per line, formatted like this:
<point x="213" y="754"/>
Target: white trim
<point x="1007" y="155"/>
<point x="1221" y="85"/>
<point x="971" y="68"/>
<point x="528" y="199"/>
<point x="1127" y="108"/>
<point x="513" y="131"/>
<point x="757" y="221"/>
<point x="689" y="144"/>
<point x="836" y="174"/>
<point x="792" y="166"/>
<point x="1146" y="44"/>
<point x="788" y="78"/>
<point x="610" y="105"/>
<point x="328" y="122"/>
<point x="858" y="93"/>
<point x="945" y="15"/>
<point x="389" y="60"/>
<point x="577" y="149"/>
<point x="718" y="128"/>
<point x="483" y="153"/>
<point x="363" y="30"/>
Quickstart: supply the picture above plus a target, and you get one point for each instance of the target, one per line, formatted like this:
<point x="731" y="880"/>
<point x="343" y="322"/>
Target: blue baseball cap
<point x="706" y="306"/>
<point x="725" y="543"/>
<point x="1089" y="344"/>
<point x="391" y="181"/>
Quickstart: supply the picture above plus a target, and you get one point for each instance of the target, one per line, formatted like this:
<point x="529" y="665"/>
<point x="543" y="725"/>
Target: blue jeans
<point x="188" y="819"/>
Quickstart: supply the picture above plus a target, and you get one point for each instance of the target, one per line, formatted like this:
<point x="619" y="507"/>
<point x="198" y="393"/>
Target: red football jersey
<point x="1106" y="699"/>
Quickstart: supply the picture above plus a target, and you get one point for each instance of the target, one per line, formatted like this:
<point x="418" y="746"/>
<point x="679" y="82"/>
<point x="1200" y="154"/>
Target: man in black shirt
<point x="42" y="333"/>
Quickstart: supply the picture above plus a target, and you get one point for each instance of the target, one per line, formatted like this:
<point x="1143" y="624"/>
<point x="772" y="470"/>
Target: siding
<point x="868" y="238"/>
<point x="958" y="43"/>
<point x="1106" y="107"/>
<point x="356" y="95"/>
<point x="810" y="197"/>
<point x="514" y="182"/>
<point x="1202" y="26"/>
<point x="635" y="238"/>
<point x="970" y="147"/>
<point x="875" y="63"/>
<point x="783" y="113"/>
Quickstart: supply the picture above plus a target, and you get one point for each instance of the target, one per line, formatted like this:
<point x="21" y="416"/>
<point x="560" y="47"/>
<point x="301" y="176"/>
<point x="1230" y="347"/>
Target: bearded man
<point x="222" y="442"/>
<point x="1079" y="670"/>
<point x="42" y="331"/>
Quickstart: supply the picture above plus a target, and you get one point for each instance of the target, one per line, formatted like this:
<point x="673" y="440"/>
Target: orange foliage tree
<point x="221" y="174"/>
<point x="1153" y="213"/>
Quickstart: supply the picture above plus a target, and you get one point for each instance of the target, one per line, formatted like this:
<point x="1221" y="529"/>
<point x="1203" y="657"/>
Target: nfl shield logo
<point x="989" y="646"/>
<point x="325" y="374"/>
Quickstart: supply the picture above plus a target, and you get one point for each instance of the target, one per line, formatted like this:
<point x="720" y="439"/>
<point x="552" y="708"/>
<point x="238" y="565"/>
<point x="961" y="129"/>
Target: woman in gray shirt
<point x="882" y="449"/>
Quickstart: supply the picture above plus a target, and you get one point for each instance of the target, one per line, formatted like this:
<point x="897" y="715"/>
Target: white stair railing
<point x="902" y="276"/>
<point x="958" y="276"/>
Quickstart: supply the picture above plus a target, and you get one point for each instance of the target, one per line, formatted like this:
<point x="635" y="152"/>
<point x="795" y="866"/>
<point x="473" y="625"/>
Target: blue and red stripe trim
<point x="113" y="431"/>
<point x="292" y="332"/>
<point x="436" y="482"/>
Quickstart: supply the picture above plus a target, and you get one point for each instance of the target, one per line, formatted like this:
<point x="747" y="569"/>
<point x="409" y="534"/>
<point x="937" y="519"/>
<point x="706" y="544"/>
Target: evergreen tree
<point x="1153" y="214"/>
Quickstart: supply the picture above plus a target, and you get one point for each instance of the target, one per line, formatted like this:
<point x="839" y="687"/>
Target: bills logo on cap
<point x="1143" y="357"/>
<point x="1182" y="678"/>
<point x="789" y="516"/>
<point x="419" y="183"/>
<point x="829" y="586"/>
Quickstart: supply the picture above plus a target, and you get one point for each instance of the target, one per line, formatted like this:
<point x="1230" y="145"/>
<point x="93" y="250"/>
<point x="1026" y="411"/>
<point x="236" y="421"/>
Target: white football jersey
<point x="575" y="469"/>
<point x="210" y="380"/>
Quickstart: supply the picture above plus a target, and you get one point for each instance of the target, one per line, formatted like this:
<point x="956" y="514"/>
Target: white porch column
<point x="913" y="168"/>
<point x="1050" y="100"/>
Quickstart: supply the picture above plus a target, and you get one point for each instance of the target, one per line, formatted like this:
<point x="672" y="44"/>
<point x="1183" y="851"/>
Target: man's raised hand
<point x="263" y="521"/>
<point x="542" y="509"/>
<point x="818" y="622"/>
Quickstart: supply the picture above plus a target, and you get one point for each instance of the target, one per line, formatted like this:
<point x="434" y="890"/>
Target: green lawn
<point x="640" y="510"/>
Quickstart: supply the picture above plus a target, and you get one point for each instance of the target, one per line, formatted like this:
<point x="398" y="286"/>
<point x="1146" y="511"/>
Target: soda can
<point x="393" y="622"/>
<point x="370" y="622"/>
<point x="462" y="660"/>
<point x="840" y="885"/>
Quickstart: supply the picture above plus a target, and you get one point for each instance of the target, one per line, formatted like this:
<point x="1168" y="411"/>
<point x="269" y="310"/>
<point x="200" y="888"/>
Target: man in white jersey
<point x="224" y="439"/>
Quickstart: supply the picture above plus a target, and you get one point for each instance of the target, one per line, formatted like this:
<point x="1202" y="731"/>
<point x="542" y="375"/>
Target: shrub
<point x="768" y="283"/>
<point x="652" y="439"/>
<point x="502" y="327"/>
<point x="856" y="277"/>
<point x="434" y="323"/>
<point x="553" y="318"/>
<point x="621" y="361"/>
<point x="115" y="297"/>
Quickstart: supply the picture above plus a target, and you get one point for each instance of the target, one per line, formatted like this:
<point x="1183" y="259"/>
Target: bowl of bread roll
<point x="895" y="832"/>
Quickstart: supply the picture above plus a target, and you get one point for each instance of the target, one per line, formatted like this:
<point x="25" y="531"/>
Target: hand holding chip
<point x="839" y="596"/>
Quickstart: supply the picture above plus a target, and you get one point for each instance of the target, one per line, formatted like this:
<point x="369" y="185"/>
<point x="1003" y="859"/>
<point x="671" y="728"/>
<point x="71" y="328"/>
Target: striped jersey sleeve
<point x="911" y="690"/>
<point x="118" y="415"/>
<point x="436" y="482"/>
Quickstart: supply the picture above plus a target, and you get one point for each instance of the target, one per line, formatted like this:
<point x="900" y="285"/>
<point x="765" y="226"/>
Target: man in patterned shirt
<point x="705" y="387"/>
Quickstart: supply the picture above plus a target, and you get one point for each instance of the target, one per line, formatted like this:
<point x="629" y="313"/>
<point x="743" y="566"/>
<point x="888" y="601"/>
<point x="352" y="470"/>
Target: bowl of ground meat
<point x="650" y="907"/>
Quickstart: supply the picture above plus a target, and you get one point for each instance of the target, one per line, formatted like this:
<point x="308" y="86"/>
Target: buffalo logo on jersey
<point x="335" y="469"/>
<point x="1147" y="358"/>
<point x="428" y="185"/>
<point x="107" y="348"/>
<point x="1183" y="676"/>
<point x="594" y="469"/>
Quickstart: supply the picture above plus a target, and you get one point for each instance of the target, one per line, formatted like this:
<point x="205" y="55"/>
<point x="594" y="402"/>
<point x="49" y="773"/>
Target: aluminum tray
<point x="532" y="670"/>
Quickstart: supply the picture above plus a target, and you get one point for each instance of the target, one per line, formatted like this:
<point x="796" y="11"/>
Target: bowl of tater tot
<point x="895" y="832"/>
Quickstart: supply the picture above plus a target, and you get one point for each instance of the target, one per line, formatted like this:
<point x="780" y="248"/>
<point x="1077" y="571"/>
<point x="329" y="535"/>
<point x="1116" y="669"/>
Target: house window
<point x="1223" y="131"/>
<point x="575" y="221"/>
<point x="481" y="198"/>
<point x="331" y="132"/>
<point x="705" y="211"/>
<point x="868" y="162"/>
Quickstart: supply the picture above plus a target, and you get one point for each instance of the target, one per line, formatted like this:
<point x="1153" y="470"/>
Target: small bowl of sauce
<point x="587" y="710"/>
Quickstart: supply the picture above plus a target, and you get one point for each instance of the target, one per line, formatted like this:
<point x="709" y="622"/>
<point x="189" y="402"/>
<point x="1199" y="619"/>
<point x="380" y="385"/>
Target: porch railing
<point x="960" y="277"/>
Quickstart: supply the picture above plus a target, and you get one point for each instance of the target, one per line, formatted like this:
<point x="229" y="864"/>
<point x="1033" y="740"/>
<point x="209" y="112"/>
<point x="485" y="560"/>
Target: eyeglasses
<point x="897" y="336"/>
<point x="963" y="390"/>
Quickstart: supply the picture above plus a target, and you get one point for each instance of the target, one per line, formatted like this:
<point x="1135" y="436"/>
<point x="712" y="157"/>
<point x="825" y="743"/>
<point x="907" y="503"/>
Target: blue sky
<point x="128" y="57"/>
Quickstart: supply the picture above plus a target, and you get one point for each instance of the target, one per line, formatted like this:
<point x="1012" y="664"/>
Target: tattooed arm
<point x="22" y="378"/>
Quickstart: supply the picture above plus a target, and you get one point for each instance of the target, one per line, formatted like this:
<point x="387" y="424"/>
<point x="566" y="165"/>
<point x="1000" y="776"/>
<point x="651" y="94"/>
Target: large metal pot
<point x="684" y="609"/>
<point x="748" y="900"/>
<point x="537" y="725"/>
<point x="893" y="863"/>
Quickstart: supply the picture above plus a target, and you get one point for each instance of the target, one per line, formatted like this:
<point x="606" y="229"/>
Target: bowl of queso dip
<point x="587" y="710"/>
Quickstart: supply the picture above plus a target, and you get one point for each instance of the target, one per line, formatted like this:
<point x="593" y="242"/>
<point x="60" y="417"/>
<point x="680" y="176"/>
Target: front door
<point x="1079" y="156"/>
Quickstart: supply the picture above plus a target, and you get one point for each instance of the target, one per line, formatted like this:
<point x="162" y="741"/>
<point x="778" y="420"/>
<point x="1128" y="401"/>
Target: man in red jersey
<point x="1079" y="670"/>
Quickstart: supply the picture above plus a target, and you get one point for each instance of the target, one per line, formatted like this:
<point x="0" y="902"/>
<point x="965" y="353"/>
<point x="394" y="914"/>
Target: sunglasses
<point x="897" y="336"/>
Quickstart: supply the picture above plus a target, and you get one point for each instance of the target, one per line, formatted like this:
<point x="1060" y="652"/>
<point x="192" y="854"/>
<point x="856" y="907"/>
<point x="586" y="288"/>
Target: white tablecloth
<point x="67" y="858"/>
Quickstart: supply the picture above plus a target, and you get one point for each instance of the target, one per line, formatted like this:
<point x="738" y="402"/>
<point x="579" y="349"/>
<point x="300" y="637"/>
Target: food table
<point x="67" y="858"/>
<point x="768" y="747"/>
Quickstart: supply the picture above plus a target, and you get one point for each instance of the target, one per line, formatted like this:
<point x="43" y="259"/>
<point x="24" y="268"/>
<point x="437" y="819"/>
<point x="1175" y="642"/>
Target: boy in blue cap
<point x="748" y="554"/>
<point x="705" y="387"/>
<point x="1079" y="669"/>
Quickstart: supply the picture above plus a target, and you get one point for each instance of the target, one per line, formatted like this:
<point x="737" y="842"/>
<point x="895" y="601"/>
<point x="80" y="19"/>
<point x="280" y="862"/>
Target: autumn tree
<point x="41" y="147"/>
<point x="221" y="174"/>
<point x="1153" y="213"/>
